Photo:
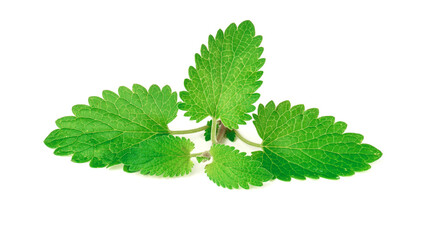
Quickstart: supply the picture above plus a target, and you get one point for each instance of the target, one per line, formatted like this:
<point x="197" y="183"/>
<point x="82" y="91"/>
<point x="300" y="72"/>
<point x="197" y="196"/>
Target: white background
<point x="363" y="62"/>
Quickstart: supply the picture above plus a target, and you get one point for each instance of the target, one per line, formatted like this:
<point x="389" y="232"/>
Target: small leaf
<point x="167" y="155"/>
<point x="231" y="135"/>
<point x="298" y="144"/>
<point x="226" y="76"/>
<point x="103" y="131"/>
<point x="208" y="131"/>
<point x="231" y="168"/>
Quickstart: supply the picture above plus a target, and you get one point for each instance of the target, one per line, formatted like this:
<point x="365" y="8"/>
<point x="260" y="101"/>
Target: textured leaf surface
<point x="298" y="144"/>
<point x="229" y="134"/>
<point x="226" y="76"/>
<point x="104" y="130"/>
<point x="166" y="155"/>
<point x="231" y="168"/>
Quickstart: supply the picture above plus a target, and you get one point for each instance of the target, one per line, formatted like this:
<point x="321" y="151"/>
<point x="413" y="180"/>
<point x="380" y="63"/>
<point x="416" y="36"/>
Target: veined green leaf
<point x="166" y="155"/>
<point x="226" y="76"/>
<point x="104" y="130"/>
<point x="299" y="144"/>
<point x="233" y="169"/>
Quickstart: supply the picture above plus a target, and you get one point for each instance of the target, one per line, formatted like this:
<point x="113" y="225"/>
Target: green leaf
<point x="230" y="134"/>
<point x="167" y="155"/>
<point x="231" y="168"/>
<point x="297" y="144"/>
<point x="104" y="130"/>
<point x="226" y="76"/>
<point x="208" y="130"/>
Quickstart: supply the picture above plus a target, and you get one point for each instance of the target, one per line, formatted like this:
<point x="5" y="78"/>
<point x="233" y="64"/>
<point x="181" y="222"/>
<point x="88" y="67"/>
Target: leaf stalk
<point x="199" y="129"/>
<point x="238" y="135"/>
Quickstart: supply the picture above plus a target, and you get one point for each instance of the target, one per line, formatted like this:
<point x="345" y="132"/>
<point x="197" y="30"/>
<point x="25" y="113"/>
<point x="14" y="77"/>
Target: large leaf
<point x="298" y="144"/>
<point x="104" y="130"/>
<point x="226" y="76"/>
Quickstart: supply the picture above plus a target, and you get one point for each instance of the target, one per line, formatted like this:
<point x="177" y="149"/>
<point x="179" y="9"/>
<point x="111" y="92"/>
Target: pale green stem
<point x="188" y="131"/>
<point x="213" y="131"/>
<point x="246" y="140"/>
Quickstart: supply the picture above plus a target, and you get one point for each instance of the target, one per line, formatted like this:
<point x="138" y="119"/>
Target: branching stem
<point x="246" y="140"/>
<point x="188" y="131"/>
<point x="214" y="136"/>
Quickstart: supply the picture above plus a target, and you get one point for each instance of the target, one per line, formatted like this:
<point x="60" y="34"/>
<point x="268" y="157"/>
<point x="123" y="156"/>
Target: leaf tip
<point x="247" y="25"/>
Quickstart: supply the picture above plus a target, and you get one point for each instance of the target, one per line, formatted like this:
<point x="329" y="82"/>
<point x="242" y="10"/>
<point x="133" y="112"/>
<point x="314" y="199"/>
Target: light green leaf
<point x="231" y="168"/>
<point x="166" y="155"/>
<point x="104" y="130"/>
<point x="298" y="144"/>
<point x="226" y="76"/>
